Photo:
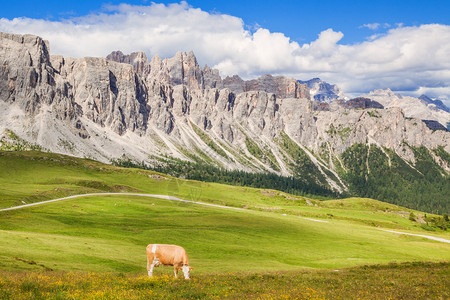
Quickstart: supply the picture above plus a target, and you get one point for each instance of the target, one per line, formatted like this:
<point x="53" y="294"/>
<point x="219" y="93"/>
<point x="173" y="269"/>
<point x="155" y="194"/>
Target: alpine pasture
<point x="298" y="247"/>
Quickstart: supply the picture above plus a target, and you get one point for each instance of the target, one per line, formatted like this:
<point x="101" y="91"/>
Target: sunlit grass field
<point x="271" y="241"/>
<point x="394" y="281"/>
<point x="110" y="233"/>
<point x="27" y="177"/>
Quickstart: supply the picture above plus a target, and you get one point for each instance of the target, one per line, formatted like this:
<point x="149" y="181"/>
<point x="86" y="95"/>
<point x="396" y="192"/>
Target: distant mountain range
<point x="434" y="104"/>
<point x="323" y="91"/>
<point x="166" y="111"/>
<point x="420" y="108"/>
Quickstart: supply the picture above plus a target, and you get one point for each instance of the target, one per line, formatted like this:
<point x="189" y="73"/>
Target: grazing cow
<point x="168" y="255"/>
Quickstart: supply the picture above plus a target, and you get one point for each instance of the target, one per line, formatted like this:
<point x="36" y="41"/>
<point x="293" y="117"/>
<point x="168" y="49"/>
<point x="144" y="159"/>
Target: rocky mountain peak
<point x="385" y="93"/>
<point x="184" y="69"/>
<point x="138" y="60"/>
<point x="323" y="91"/>
<point x="211" y="78"/>
<point x="436" y="104"/>
<point x="426" y="98"/>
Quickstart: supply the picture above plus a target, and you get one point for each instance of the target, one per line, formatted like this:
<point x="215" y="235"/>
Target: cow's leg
<point x="150" y="273"/>
<point x="155" y="263"/>
<point x="175" y="271"/>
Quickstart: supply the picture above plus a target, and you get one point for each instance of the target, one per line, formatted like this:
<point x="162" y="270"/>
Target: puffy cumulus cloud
<point x="155" y="28"/>
<point x="412" y="59"/>
<point x="404" y="59"/>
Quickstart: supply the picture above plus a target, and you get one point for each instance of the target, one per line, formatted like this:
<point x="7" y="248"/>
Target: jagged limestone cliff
<point x="124" y="105"/>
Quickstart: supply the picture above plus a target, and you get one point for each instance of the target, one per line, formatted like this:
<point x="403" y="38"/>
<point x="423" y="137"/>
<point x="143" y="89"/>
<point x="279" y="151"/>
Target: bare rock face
<point x="360" y="102"/>
<point x="211" y="78"/>
<point x="184" y="69"/>
<point x="24" y="72"/>
<point x="192" y="74"/>
<point x="28" y="79"/>
<point x="235" y="83"/>
<point x="281" y="86"/>
<point x="109" y="94"/>
<point x="106" y="107"/>
<point x="138" y="60"/>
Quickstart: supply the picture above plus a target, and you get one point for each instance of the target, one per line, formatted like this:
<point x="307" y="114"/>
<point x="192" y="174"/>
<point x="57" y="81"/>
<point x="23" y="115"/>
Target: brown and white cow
<point x="168" y="255"/>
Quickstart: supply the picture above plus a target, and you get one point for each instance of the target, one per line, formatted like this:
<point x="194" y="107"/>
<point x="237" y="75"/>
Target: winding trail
<point x="420" y="235"/>
<point x="195" y="202"/>
<point x="121" y="194"/>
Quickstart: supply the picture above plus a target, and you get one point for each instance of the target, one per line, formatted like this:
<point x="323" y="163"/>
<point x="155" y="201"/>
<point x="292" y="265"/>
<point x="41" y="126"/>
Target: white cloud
<point x="404" y="58"/>
<point x="372" y="26"/>
<point x="376" y="26"/>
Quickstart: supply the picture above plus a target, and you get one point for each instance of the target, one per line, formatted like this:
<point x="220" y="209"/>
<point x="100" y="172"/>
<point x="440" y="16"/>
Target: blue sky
<point x="359" y="45"/>
<point x="300" y="20"/>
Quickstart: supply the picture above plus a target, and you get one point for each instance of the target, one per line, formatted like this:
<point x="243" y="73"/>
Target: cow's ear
<point x="190" y="268"/>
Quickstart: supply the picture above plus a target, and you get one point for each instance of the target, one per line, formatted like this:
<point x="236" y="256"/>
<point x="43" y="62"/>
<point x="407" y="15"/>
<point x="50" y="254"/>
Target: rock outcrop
<point x="124" y="105"/>
<point x="361" y="103"/>
<point x="138" y="60"/>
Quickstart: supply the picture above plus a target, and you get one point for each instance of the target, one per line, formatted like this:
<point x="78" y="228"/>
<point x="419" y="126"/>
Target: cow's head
<point x="186" y="271"/>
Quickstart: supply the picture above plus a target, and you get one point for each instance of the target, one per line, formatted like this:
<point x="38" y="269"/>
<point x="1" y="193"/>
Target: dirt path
<point x="420" y="235"/>
<point x="120" y="194"/>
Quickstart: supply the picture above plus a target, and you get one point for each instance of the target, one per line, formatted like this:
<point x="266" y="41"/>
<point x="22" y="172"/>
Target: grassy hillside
<point x="28" y="177"/>
<point x="277" y="245"/>
<point x="109" y="233"/>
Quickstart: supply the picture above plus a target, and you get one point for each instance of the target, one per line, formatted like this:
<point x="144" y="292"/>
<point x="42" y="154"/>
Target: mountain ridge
<point x="102" y="109"/>
<point x="412" y="107"/>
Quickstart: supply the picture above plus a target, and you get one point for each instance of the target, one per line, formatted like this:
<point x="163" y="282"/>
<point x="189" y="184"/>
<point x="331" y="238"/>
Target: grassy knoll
<point x="395" y="281"/>
<point x="36" y="176"/>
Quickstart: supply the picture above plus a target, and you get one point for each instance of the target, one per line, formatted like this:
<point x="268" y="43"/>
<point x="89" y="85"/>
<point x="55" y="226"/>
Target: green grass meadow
<point x="110" y="233"/>
<point x="273" y="235"/>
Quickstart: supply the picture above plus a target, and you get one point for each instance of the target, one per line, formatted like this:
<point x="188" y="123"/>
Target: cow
<point x="168" y="255"/>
